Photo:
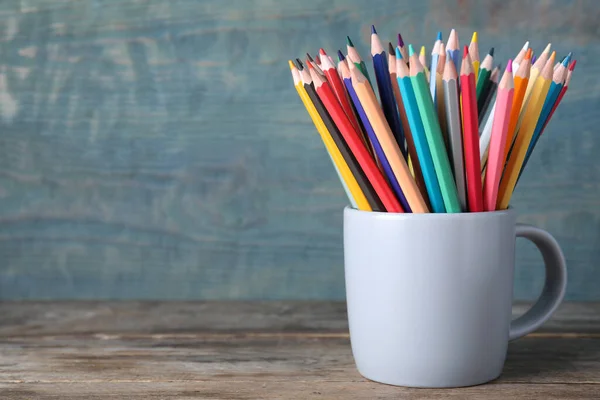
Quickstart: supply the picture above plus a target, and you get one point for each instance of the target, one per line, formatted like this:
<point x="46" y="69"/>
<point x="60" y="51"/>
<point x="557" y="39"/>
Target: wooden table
<point x="276" y="350"/>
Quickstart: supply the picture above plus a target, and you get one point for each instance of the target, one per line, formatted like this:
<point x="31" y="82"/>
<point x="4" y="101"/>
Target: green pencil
<point x="355" y="58"/>
<point x="485" y="71"/>
<point x="433" y="134"/>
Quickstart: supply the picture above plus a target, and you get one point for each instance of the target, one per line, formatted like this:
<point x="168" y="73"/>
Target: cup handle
<point x="554" y="287"/>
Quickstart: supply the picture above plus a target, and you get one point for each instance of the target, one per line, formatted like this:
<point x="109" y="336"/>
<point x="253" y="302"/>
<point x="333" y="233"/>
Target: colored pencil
<point x="402" y="47"/>
<point x="419" y="139"/>
<point x="495" y="163"/>
<point x="435" y="57"/>
<point x="366" y="96"/>
<point x="523" y="138"/>
<point x="384" y="86"/>
<point x="334" y="154"/>
<point x="312" y="62"/>
<point x="453" y="49"/>
<point x="558" y="81"/>
<point x="474" y="54"/>
<point x="453" y="122"/>
<point x="356" y="59"/>
<point x="521" y="81"/>
<point x="358" y="184"/>
<point x="413" y="159"/>
<point x="485" y="71"/>
<point x="388" y="143"/>
<point x="570" y="70"/>
<point x="486" y="133"/>
<point x="334" y="80"/>
<point x="519" y="57"/>
<point x="471" y="134"/>
<point x="489" y="92"/>
<point x="433" y="134"/>
<point x="440" y="102"/>
<point x="423" y="61"/>
<point x="536" y="69"/>
<point x="373" y="174"/>
<point x="387" y="169"/>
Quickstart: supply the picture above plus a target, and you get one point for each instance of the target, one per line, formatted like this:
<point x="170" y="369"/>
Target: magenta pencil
<point x="495" y="162"/>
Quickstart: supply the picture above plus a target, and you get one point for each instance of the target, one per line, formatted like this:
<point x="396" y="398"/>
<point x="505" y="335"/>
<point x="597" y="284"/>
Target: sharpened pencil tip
<point x="509" y="66"/>
<point x="322" y="52"/>
<point x="528" y="54"/>
<point x="572" y="65"/>
<point x="465" y="51"/>
<point x="422" y="53"/>
<point x="310" y="66"/>
<point x="491" y="53"/>
<point x="309" y="58"/>
<point x="567" y="59"/>
<point x="400" y="41"/>
<point x="292" y="65"/>
<point x="547" y="49"/>
<point x="533" y="59"/>
<point x="474" y="38"/>
<point x="341" y="55"/>
<point x="373" y="30"/>
<point x="526" y="45"/>
<point x="439" y="36"/>
<point x="349" y="41"/>
<point x="299" y="64"/>
<point x="411" y="50"/>
<point x="390" y="48"/>
<point x="398" y="54"/>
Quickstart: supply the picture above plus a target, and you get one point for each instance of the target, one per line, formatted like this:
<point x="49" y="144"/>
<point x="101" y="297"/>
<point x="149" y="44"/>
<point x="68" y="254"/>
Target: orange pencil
<point x="471" y="134"/>
<point x="360" y="152"/>
<point x="520" y="81"/>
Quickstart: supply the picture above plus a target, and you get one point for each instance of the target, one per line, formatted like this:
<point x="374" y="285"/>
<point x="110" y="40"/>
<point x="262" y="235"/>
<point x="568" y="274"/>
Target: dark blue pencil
<point x="386" y="93"/>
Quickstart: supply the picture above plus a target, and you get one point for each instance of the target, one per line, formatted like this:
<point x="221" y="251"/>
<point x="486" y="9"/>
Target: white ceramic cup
<point x="429" y="296"/>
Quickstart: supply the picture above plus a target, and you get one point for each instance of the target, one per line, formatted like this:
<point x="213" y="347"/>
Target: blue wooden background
<point x="157" y="149"/>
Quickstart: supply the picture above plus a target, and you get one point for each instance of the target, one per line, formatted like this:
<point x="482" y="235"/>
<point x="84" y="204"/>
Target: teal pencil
<point x="418" y="136"/>
<point x="433" y="133"/>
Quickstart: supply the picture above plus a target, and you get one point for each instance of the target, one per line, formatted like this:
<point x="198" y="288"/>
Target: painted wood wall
<point x="157" y="149"/>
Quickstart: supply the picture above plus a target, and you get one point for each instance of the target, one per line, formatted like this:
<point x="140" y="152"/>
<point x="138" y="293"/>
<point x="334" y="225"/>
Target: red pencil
<point x="340" y="91"/>
<point x="470" y="134"/>
<point x="356" y="145"/>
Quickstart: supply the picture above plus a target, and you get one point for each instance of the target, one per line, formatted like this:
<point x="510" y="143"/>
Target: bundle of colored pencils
<point x="418" y="144"/>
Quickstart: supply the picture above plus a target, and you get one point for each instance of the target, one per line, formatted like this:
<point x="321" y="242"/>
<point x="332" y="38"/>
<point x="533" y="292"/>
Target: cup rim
<point x="452" y="216"/>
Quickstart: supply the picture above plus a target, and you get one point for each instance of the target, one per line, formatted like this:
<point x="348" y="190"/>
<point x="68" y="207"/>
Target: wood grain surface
<point x="229" y="350"/>
<point x="158" y="150"/>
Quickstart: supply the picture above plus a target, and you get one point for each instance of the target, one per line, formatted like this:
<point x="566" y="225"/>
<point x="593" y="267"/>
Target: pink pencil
<point x="495" y="162"/>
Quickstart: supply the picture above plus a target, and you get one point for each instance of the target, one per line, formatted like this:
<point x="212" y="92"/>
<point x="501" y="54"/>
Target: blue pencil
<point x="387" y="169"/>
<point x="386" y="93"/>
<point x="453" y="49"/>
<point x="558" y="81"/>
<point x="418" y="135"/>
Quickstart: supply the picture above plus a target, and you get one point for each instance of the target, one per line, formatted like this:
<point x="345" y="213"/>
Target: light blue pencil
<point x="418" y="135"/>
<point x="435" y="57"/>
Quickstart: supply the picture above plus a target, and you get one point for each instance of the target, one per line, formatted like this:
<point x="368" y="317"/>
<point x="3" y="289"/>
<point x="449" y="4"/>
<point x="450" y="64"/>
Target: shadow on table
<point x="552" y="359"/>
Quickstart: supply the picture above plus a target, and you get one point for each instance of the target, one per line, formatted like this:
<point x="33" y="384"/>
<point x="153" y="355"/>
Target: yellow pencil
<point x="521" y="144"/>
<point x="536" y="69"/>
<point x="474" y="54"/>
<point x="348" y="178"/>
